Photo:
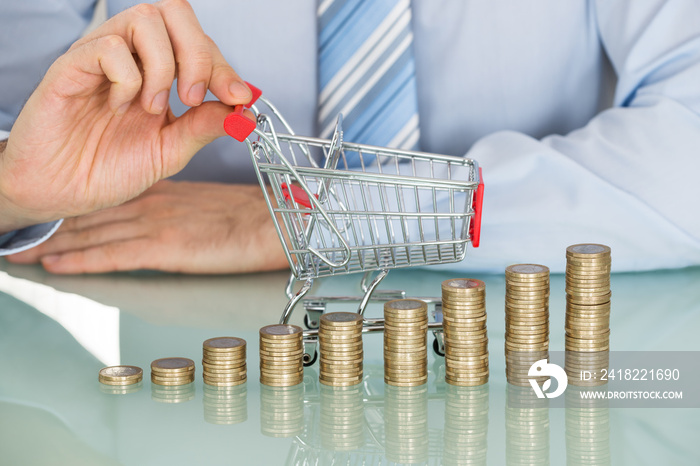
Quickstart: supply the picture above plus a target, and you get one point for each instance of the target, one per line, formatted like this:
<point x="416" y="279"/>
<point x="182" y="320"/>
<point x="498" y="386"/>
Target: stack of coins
<point x="342" y="418"/>
<point x="466" y="425"/>
<point x="281" y="353"/>
<point x="405" y="342"/>
<point x="588" y="295"/>
<point x="225" y="405"/>
<point x="172" y="394"/>
<point x="224" y="361"/>
<point x="172" y="371"/>
<point x="340" y="341"/>
<point x="527" y="320"/>
<point x="282" y="411"/>
<point x="527" y="428"/>
<point x="587" y="429"/>
<point x="120" y="375"/>
<point x="406" y="424"/>
<point x="464" y="328"/>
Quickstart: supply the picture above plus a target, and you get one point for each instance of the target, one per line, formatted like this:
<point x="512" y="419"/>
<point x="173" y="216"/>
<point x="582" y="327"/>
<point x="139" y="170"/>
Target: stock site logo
<point x="543" y="368"/>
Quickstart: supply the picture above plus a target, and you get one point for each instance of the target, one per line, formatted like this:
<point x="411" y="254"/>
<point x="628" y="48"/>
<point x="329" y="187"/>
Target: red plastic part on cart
<point x="237" y="125"/>
<point x="298" y="194"/>
<point x="256" y="93"/>
<point x="475" y="228"/>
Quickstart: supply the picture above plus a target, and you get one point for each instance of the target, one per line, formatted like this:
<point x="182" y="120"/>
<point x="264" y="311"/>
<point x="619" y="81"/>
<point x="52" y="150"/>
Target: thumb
<point x="187" y="134"/>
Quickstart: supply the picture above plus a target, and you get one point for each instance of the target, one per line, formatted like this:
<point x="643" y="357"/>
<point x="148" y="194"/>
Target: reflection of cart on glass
<point x="342" y="208"/>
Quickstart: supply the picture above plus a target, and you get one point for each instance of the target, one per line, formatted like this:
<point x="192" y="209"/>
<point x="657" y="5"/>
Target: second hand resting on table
<point x="175" y="227"/>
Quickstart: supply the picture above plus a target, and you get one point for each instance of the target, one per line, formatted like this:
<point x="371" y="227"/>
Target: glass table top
<point x="57" y="332"/>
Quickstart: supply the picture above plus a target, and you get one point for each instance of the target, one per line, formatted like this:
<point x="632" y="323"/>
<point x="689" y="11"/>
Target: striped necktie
<point x="367" y="72"/>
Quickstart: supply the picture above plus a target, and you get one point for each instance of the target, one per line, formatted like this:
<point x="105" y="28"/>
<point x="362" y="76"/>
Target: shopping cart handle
<point x="237" y="125"/>
<point x="256" y="94"/>
<point x="297" y="194"/>
<point x="475" y="227"/>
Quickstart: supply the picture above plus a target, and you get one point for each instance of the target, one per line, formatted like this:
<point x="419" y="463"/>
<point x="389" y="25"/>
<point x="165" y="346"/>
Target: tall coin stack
<point x="281" y="353"/>
<point x="172" y="371"/>
<point x="340" y="341"/>
<point x="587" y="341"/>
<point x="527" y="320"/>
<point x="224" y="361"/>
<point x="464" y="328"/>
<point x="405" y="342"/>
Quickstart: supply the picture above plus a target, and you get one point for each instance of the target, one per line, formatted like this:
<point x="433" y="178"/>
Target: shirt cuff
<point x="26" y="238"/>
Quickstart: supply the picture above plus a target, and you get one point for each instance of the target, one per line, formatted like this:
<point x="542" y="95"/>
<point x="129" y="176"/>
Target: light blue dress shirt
<point x="585" y="115"/>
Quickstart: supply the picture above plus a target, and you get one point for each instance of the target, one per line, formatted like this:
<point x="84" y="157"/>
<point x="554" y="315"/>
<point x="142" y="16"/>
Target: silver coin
<point x="121" y="371"/>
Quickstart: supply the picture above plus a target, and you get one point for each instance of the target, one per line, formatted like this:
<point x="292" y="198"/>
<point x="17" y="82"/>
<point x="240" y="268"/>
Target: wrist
<point x="12" y="217"/>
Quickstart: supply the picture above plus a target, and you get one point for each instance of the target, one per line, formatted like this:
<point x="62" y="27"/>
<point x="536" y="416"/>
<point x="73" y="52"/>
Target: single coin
<point x="223" y="344"/>
<point x="130" y="374"/>
<point x="280" y="331"/>
<point x="588" y="249"/>
<point x="341" y="319"/>
<point x="463" y="285"/>
<point x="528" y="269"/>
<point x="172" y="365"/>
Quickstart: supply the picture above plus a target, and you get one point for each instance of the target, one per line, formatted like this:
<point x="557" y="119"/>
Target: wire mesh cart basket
<point x="344" y="208"/>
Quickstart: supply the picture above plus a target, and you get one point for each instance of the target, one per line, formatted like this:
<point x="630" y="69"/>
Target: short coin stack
<point x="172" y="371"/>
<point x="527" y="320"/>
<point x="340" y="340"/>
<point x="464" y="328"/>
<point x="588" y="295"/>
<point x="120" y="375"/>
<point x="281" y="353"/>
<point x="405" y="342"/>
<point x="224" y="361"/>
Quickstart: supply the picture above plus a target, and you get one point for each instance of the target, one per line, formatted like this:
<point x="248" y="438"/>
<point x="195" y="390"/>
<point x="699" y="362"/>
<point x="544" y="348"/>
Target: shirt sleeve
<point x="32" y="35"/>
<point x="627" y="179"/>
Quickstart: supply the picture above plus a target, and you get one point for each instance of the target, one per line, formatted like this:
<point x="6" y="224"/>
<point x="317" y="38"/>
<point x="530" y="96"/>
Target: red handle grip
<point x="298" y="194"/>
<point x="475" y="227"/>
<point x="237" y="125"/>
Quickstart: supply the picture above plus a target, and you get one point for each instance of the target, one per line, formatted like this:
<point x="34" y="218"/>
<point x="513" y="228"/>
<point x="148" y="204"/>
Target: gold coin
<point x="231" y="383"/>
<point x="463" y="285"/>
<point x="121" y="374"/>
<point x="224" y="344"/>
<point x="172" y="365"/>
<point x="280" y="332"/>
<point x="342" y="319"/>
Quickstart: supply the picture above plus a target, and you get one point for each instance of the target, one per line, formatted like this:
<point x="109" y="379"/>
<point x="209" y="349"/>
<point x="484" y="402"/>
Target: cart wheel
<point x="310" y="324"/>
<point x="310" y="359"/>
<point x="436" y="348"/>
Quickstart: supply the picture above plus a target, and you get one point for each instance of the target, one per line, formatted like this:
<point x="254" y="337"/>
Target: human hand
<point x="175" y="227"/>
<point x="98" y="131"/>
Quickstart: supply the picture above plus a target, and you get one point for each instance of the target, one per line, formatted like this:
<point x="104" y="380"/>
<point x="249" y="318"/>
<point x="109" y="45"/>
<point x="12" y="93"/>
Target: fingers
<point x="187" y="134"/>
<point x="117" y="256"/>
<point x="167" y="38"/>
<point x="81" y="71"/>
<point x="199" y="62"/>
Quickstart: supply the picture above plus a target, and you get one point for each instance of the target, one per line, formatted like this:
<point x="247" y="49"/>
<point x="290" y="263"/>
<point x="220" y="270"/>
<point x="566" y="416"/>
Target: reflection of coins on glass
<point x="342" y="418"/>
<point x="527" y="427"/>
<point x="172" y="371"/>
<point x="527" y="320"/>
<point x="120" y="375"/>
<point x="225" y="405"/>
<point x="587" y="428"/>
<point x="464" y="330"/>
<point x="172" y="393"/>
<point x="466" y="425"/>
<point x="281" y="355"/>
<point x="405" y="342"/>
<point x="121" y="389"/>
<point x="588" y="296"/>
<point x="406" y="424"/>
<point x="282" y="411"/>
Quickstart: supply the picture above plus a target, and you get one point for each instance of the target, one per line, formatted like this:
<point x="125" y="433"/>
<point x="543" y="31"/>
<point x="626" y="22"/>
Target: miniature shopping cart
<point x="343" y="208"/>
